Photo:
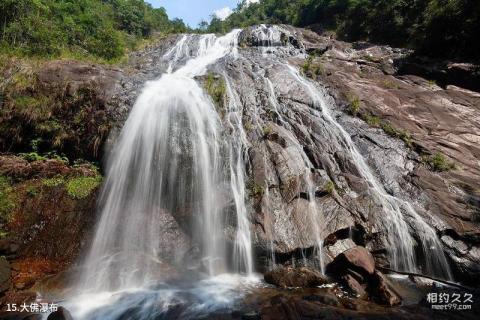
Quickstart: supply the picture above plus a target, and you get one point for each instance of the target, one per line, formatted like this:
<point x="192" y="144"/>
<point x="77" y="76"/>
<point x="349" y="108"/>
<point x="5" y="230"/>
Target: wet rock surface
<point x="437" y="119"/>
<point x="60" y="314"/>
<point x="355" y="270"/>
<point x="286" y="131"/>
<point x="294" y="277"/>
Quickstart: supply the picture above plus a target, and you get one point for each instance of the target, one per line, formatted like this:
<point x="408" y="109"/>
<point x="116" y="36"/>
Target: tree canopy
<point x="99" y="28"/>
<point x="444" y="28"/>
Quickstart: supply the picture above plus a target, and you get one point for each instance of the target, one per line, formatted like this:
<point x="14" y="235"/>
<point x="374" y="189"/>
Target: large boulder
<point x="357" y="259"/>
<point x="355" y="271"/>
<point x="287" y="277"/>
<point x="382" y="290"/>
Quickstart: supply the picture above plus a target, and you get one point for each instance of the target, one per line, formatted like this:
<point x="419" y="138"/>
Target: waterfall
<point x="392" y="211"/>
<point x="167" y="159"/>
<point x="391" y="219"/>
<point x="180" y="165"/>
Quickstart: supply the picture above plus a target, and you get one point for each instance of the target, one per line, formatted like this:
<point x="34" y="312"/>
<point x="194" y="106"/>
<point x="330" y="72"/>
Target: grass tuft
<point x="82" y="187"/>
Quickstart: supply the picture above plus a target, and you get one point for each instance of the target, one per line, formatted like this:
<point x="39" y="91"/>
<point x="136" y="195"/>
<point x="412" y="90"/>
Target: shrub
<point x="32" y="191"/>
<point x="372" y="120"/>
<point x="82" y="187"/>
<point x="354" y="105"/>
<point x="53" y="182"/>
<point x="438" y="162"/>
<point x="312" y="69"/>
<point x="267" y="131"/>
<point x="216" y="88"/>
<point x="254" y="189"/>
<point x="32" y="156"/>
<point x="330" y="187"/>
<point x="7" y="203"/>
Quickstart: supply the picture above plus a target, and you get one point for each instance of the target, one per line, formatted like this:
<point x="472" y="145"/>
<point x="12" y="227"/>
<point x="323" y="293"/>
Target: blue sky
<point x="193" y="11"/>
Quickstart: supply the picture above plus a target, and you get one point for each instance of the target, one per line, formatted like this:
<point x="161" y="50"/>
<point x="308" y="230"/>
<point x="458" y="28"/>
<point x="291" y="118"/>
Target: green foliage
<point x="75" y="124"/>
<point x="96" y="28"/>
<point x="386" y="126"/>
<point x="390" y="84"/>
<point x="447" y="28"/>
<point x="32" y="156"/>
<point x="267" y="131"/>
<point x="438" y="162"/>
<point x="254" y="189"/>
<point x="396" y="133"/>
<point x="32" y="191"/>
<point x="7" y="201"/>
<point x="53" y="182"/>
<point x="372" y="120"/>
<point x="354" y="105"/>
<point x="82" y="187"/>
<point x="330" y="187"/>
<point x="216" y="88"/>
<point x="312" y="69"/>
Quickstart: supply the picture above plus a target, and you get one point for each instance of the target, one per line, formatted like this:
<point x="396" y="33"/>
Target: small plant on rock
<point x="267" y="131"/>
<point x="216" y="88"/>
<point x="438" y="162"/>
<point x="7" y="203"/>
<point x="32" y="191"/>
<point x="330" y="187"/>
<point x="82" y="187"/>
<point x="354" y="105"/>
<point x="53" y="182"/>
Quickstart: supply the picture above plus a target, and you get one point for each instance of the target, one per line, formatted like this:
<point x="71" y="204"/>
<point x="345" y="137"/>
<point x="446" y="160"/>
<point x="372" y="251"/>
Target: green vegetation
<point x="396" y="133"/>
<point x="390" y="84"/>
<point x="445" y="28"/>
<point x="7" y="203"/>
<point x="216" y="88"/>
<point x="330" y="187"/>
<point x="267" y="131"/>
<point x="354" y="105"/>
<point x="53" y="124"/>
<point x="312" y="69"/>
<point x="372" y="120"/>
<point x="34" y="156"/>
<point x="438" y="162"/>
<point x="432" y="83"/>
<point x="82" y="187"/>
<point x="95" y="29"/>
<point x="354" y="108"/>
<point x="53" y="182"/>
<point x="254" y="189"/>
<point x="32" y="191"/>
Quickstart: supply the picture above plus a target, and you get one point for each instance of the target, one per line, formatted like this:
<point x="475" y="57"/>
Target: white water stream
<point x="173" y="158"/>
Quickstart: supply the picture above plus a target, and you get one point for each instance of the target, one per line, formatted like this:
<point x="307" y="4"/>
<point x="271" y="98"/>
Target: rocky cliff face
<point x="419" y="141"/>
<point x="418" y="138"/>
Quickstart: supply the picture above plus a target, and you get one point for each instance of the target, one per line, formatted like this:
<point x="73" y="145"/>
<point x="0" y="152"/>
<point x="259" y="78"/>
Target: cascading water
<point x="391" y="218"/>
<point x="393" y="211"/>
<point x="168" y="161"/>
<point x="177" y="161"/>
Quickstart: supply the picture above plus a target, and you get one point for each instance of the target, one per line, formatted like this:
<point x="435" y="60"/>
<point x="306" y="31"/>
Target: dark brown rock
<point x="60" y="314"/>
<point x="294" y="277"/>
<point x="5" y="273"/>
<point x="382" y="290"/>
<point x="353" y="285"/>
<point x="357" y="258"/>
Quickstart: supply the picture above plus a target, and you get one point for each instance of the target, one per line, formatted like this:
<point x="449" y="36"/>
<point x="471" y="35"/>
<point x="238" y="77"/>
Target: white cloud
<point x="223" y="13"/>
<point x="252" y="1"/>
